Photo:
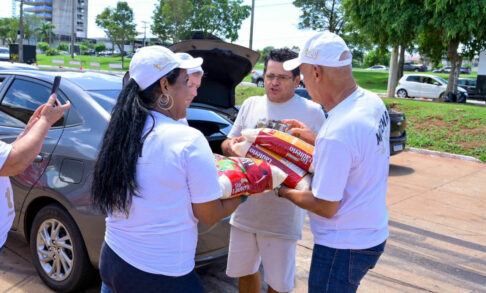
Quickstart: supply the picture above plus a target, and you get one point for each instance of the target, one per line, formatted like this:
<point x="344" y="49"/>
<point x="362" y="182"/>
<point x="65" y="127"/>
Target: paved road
<point x="437" y="241"/>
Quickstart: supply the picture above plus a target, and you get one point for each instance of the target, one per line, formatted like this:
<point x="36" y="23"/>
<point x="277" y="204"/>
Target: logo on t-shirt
<point x="384" y="120"/>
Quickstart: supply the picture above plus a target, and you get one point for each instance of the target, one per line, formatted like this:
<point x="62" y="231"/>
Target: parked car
<point x="465" y="70"/>
<point x="410" y="66"/>
<point x="469" y="84"/>
<point x="398" y="125"/>
<point x="257" y="78"/>
<point x="445" y="69"/>
<point x="52" y="197"/>
<point x="4" y="54"/>
<point x="378" y="67"/>
<point x="425" y="86"/>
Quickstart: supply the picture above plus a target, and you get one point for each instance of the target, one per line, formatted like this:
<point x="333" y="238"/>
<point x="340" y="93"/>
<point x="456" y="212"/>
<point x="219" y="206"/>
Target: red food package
<point x="246" y="176"/>
<point x="297" y="178"/>
<point x="288" y="146"/>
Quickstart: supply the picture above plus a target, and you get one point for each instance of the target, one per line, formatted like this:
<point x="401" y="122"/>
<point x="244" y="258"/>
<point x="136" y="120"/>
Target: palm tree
<point x="45" y="31"/>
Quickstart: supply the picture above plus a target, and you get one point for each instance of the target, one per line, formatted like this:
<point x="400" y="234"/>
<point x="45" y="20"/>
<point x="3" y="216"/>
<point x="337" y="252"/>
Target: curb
<point x="444" y="155"/>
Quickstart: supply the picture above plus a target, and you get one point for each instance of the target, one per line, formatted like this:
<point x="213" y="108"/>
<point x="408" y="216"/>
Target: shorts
<point x="247" y="250"/>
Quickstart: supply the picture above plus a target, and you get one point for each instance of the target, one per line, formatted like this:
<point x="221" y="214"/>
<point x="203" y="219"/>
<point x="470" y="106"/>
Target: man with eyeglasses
<point x="266" y="228"/>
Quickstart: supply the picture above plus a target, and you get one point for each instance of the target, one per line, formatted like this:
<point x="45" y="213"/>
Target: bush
<point x="63" y="47"/>
<point x="467" y="65"/>
<point x="375" y="57"/>
<point x="43" y="46"/>
<point x="52" y="52"/>
<point x="100" y="47"/>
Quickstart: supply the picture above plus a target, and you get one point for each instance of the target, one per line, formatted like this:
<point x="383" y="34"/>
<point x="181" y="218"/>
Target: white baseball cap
<point x="151" y="63"/>
<point x="324" y="49"/>
<point x="185" y="56"/>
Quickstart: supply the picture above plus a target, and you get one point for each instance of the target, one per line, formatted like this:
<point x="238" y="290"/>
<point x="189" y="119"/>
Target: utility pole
<point x="21" y="31"/>
<point x="251" y="25"/>
<point x="73" y="36"/>
<point x="144" y="31"/>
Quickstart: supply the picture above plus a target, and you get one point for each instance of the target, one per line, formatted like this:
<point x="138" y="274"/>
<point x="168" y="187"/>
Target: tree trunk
<point x="401" y="61"/>
<point x="455" y="60"/>
<point x="392" y="73"/>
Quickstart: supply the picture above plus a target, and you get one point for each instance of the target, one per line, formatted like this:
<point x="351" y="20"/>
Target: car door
<point x="20" y="97"/>
<point x="413" y="85"/>
<point x="429" y="88"/>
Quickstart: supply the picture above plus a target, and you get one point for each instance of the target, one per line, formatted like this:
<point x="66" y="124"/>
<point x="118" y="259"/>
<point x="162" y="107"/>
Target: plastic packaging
<point x="297" y="177"/>
<point x="246" y="176"/>
<point x="289" y="147"/>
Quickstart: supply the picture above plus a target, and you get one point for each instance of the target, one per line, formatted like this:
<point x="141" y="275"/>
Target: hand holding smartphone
<point x="55" y="87"/>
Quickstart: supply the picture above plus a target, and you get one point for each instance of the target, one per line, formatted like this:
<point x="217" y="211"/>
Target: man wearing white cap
<point x="347" y="203"/>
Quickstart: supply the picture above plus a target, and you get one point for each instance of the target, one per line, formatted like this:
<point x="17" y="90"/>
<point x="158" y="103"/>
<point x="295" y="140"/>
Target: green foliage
<point x="43" y="46"/>
<point x="264" y="53"/>
<point x="467" y="65"/>
<point x="377" y="57"/>
<point x="100" y="47"/>
<point x="175" y="19"/>
<point x="118" y="24"/>
<point x="44" y="31"/>
<point x="63" y="47"/>
<point x="8" y="29"/>
<point x="321" y="15"/>
<point x="83" y="48"/>
<point x="52" y="52"/>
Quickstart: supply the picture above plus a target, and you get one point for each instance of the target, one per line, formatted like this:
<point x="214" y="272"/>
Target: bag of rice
<point x="297" y="178"/>
<point x="246" y="176"/>
<point x="288" y="146"/>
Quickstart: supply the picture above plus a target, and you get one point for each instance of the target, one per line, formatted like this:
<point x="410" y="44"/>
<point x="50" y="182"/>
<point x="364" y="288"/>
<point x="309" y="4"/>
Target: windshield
<point x="106" y="98"/>
<point x="441" y="80"/>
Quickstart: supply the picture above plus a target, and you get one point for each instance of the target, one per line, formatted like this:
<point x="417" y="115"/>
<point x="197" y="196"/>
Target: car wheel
<point x="416" y="70"/>
<point x="461" y="98"/>
<point x="58" y="250"/>
<point x="401" y="93"/>
<point x="260" y="83"/>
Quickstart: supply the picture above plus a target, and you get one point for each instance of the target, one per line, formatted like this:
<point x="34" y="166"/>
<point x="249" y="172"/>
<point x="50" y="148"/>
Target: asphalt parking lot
<point x="437" y="242"/>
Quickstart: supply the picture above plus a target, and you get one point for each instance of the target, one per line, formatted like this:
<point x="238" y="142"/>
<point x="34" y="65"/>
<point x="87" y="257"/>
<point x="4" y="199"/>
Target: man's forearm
<point x="306" y="200"/>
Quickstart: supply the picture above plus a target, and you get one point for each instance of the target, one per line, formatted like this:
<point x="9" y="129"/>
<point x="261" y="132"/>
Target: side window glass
<point x="21" y="100"/>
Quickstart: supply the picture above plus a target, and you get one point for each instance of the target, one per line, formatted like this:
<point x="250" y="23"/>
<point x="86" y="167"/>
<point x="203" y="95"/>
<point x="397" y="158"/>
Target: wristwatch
<point x="277" y="190"/>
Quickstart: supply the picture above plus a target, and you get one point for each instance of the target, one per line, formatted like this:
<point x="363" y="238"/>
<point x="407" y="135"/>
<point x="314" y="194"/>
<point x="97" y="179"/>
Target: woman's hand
<point x="300" y="130"/>
<point x="53" y="110"/>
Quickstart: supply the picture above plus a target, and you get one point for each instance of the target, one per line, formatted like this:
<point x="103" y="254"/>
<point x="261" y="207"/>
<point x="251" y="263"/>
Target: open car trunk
<point x="225" y="66"/>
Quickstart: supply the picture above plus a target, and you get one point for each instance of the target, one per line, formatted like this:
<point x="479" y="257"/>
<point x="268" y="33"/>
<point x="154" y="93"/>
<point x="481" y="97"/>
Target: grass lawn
<point x="42" y="59"/>
<point x="451" y="128"/>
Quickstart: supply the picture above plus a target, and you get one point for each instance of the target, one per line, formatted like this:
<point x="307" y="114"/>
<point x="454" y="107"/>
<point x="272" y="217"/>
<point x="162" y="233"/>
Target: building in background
<point x="59" y="13"/>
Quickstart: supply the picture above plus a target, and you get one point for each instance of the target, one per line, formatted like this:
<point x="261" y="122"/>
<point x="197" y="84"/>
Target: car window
<point x="414" y="78"/>
<point x="4" y="51"/>
<point x="21" y="100"/>
<point x="462" y="82"/>
<point x="106" y="98"/>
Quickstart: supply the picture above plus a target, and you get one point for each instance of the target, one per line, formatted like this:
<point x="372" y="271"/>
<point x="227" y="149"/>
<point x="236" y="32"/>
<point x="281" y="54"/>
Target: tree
<point x="265" y="52"/>
<point x="31" y="25"/>
<point x="118" y="25"/>
<point x="454" y="27"/>
<point x="322" y="15"/>
<point x="8" y="30"/>
<point x="175" y="19"/>
<point x="44" y="31"/>
<point x="377" y="56"/>
<point x="387" y="23"/>
<point x="100" y="47"/>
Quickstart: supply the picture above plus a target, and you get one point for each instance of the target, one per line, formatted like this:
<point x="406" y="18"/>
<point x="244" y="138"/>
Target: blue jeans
<point x="341" y="270"/>
<point x="118" y="276"/>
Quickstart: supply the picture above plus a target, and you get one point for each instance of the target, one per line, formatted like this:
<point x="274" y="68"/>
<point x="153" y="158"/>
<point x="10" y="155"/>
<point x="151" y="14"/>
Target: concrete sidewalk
<point x="437" y="243"/>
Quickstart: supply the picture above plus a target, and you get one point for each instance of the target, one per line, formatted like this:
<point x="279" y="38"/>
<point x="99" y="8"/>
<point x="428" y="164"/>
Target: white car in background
<point x="4" y="54"/>
<point x="423" y="86"/>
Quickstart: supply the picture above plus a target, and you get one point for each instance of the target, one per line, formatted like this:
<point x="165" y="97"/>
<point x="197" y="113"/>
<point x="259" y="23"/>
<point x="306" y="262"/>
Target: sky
<point x="275" y="21"/>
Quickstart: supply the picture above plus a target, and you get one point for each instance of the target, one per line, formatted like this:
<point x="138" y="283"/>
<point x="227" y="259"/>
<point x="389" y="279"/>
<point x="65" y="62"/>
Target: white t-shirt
<point x="267" y="213"/>
<point x="351" y="161"/>
<point x="7" y="211"/>
<point x="175" y="170"/>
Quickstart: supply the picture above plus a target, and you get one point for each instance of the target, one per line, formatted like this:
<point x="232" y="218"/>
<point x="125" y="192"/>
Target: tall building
<point x="59" y="13"/>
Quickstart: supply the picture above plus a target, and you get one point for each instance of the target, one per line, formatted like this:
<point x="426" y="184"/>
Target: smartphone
<point x="55" y="86"/>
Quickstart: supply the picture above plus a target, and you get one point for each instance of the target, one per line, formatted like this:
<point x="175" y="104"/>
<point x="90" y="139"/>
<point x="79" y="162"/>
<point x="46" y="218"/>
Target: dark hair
<point x="281" y="55"/>
<point x="114" y="181"/>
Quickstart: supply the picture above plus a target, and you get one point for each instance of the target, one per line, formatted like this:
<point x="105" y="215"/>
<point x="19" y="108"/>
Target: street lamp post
<point x="73" y="36"/>
<point x="21" y="32"/>
<point x="251" y="25"/>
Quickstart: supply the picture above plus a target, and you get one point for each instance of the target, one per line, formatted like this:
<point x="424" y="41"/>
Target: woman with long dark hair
<point x="155" y="177"/>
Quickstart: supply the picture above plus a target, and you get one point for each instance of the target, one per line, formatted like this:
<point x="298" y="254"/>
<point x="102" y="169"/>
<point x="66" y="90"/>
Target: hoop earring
<point x="165" y="102"/>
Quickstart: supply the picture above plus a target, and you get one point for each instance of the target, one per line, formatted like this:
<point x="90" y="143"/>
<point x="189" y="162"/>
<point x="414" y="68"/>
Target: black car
<point x="398" y="133"/>
<point x="469" y="84"/>
<point x="410" y="66"/>
<point x="52" y="196"/>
